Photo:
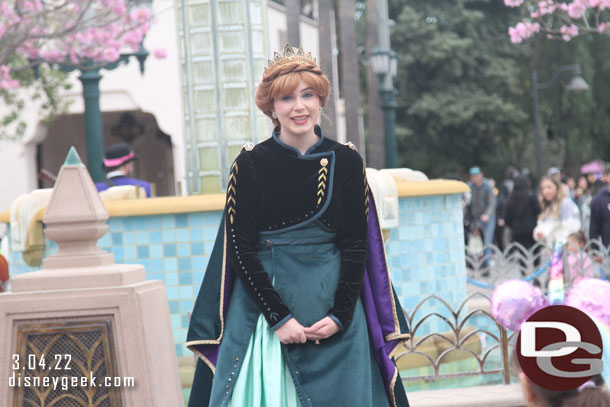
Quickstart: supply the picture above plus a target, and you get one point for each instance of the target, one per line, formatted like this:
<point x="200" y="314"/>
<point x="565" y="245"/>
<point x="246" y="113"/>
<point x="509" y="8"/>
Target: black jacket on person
<point x="522" y="221"/>
<point x="600" y="217"/>
<point x="274" y="187"/>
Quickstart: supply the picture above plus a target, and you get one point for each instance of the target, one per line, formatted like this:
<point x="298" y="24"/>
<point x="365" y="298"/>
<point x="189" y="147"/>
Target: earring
<point x="274" y="115"/>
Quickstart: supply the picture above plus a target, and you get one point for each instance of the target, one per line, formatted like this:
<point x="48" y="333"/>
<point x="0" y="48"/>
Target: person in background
<point x="582" y="197"/>
<point x="599" y="226"/>
<point x="559" y="216"/>
<point x="557" y="175"/>
<point x="118" y="165"/>
<point x="593" y="393"/>
<point x="569" y="181"/>
<point x="482" y="206"/>
<point x="4" y="277"/>
<point x="579" y="263"/>
<point x="504" y="191"/>
<point x="522" y="210"/>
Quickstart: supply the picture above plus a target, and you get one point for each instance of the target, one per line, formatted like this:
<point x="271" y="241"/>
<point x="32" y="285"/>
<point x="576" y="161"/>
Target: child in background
<point x="579" y="263"/>
<point x="593" y="393"/>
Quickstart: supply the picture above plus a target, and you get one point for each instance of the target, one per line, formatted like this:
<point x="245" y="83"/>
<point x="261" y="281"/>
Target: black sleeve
<point x="595" y="221"/>
<point x="508" y="216"/>
<point x="352" y="239"/>
<point x="535" y="205"/>
<point x="500" y="208"/>
<point x="241" y="241"/>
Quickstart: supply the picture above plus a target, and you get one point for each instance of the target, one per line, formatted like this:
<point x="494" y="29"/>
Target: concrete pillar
<point x="83" y="317"/>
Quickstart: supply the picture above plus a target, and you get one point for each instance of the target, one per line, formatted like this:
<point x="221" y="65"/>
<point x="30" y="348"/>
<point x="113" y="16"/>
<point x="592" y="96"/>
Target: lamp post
<point x="94" y="135"/>
<point x="90" y="77"/>
<point x="385" y="64"/>
<point x="576" y="84"/>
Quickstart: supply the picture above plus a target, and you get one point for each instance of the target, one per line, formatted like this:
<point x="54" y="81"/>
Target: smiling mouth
<point x="299" y="119"/>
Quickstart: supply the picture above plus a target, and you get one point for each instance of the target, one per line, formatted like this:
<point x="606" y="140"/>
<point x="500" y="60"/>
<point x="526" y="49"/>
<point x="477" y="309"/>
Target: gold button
<point x="232" y="372"/>
<point x="229" y="379"/>
<point x="323" y="162"/>
<point x="236" y="358"/>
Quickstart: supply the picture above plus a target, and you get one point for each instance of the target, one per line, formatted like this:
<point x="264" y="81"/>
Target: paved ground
<point x="481" y="396"/>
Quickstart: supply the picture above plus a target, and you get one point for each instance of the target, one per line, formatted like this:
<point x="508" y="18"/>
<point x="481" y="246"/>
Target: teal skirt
<point x="304" y="265"/>
<point x="264" y="378"/>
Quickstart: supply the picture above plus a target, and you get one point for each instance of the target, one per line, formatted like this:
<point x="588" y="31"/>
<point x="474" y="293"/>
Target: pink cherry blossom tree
<point x="83" y="34"/>
<point x="560" y="20"/>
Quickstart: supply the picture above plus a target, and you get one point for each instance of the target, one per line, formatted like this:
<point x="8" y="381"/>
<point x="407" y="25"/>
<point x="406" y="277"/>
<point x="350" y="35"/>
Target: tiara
<point x="291" y="54"/>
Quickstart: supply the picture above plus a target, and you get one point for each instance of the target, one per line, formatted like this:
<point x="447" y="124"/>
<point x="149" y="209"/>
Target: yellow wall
<point x="206" y="203"/>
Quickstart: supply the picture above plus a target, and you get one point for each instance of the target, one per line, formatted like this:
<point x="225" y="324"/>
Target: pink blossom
<point x="160" y="53"/>
<point x="568" y="32"/>
<point x="546" y="7"/>
<point x="513" y="3"/>
<point x="140" y="16"/>
<point x="109" y="27"/>
<point x="601" y="4"/>
<point x="522" y="31"/>
<point x="33" y="53"/>
<point x="53" y="55"/>
<point x="577" y="9"/>
<point x="111" y="54"/>
<point x="116" y="6"/>
<point x="28" y="6"/>
<point x="6" y="82"/>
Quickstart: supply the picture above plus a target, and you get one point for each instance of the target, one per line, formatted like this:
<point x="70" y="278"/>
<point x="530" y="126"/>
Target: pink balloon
<point x="592" y="296"/>
<point x="513" y="301"/>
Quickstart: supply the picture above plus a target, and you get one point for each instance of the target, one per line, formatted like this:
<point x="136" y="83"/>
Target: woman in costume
<point x="296" y="307"/>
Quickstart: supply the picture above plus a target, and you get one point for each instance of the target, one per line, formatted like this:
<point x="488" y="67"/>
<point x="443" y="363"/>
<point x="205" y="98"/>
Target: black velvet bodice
<point x="274" y="188"/>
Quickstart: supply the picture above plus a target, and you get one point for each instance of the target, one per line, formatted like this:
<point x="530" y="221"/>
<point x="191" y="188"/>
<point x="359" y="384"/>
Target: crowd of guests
<point x="561" y="210"/>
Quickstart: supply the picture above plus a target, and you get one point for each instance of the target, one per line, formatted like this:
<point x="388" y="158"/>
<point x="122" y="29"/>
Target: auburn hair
<point x="284" y="80"/>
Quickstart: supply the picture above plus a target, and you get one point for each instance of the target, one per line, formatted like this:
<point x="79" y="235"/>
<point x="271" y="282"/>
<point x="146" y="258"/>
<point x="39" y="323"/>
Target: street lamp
<point x="385" y="64"/>
<point x="576" y="84"/>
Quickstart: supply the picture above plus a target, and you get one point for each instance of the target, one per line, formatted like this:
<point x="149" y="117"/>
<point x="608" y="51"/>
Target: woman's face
<point x="548" y="189"/>
<point x="582" y="183"/>
<point x="298" y="111"/>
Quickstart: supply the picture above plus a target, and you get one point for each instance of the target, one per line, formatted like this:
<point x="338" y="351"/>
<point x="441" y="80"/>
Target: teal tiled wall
<point x="425" y="255"/>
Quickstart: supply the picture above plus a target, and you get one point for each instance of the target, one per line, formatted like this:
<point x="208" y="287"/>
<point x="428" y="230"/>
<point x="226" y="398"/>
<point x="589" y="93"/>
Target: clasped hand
<point x="293" y="332"/>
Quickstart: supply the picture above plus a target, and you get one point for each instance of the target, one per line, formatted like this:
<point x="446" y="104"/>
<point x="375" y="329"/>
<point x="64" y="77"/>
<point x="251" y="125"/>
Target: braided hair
<point x="284" y="80"/>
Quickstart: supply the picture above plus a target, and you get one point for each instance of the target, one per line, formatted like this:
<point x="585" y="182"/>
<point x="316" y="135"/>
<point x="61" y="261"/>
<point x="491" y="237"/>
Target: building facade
<point x="187" y="116"/>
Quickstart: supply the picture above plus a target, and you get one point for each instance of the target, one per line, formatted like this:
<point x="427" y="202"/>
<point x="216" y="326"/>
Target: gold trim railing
<point x="457" y="339"/>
